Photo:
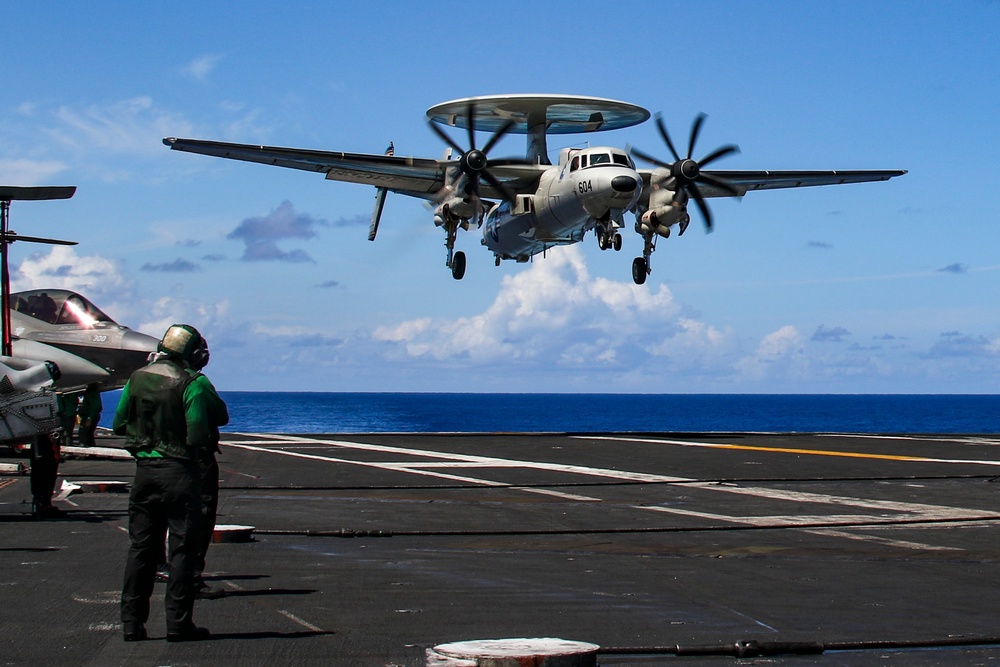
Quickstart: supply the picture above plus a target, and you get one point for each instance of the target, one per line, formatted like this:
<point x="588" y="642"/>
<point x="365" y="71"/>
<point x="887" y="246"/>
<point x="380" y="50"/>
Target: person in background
<point x="217" y="415"/>
<point x="66" y="406"/>
<point x="44" y="470"/>
<point x="90" y="414"/>
<point x="45" y="455"/>
<point x="165" y="413"/>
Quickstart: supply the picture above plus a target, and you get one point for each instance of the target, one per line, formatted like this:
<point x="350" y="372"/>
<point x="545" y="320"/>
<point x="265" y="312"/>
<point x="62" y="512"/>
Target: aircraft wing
<point x="746" y="181"/>
<point x="417" y="177"/>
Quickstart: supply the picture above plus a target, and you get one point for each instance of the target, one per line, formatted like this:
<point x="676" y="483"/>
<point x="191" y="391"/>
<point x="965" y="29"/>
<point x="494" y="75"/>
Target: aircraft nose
<point x="623" y="183"/>
<point x="139" y="342"/>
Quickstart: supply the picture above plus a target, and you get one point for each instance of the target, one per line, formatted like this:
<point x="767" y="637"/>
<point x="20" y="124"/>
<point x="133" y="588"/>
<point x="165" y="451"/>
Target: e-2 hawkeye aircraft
<point x="526" y="206"/>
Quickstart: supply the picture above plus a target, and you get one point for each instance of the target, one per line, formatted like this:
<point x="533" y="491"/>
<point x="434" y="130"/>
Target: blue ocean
<point x="305" y="412"/>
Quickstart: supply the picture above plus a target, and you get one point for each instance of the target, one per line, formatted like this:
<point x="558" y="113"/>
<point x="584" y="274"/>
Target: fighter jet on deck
<point x="54" y="340"/>
<point x="71" y="323"/>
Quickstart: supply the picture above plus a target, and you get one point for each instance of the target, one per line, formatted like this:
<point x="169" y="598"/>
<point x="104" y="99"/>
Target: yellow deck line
<point x="789" y="450"/>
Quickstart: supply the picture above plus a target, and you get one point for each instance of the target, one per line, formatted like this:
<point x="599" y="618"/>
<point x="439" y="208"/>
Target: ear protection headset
<point x="184" y="341"/>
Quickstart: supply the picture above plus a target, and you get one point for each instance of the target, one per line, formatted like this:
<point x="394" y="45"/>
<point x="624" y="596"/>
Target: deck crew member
<point x="90" y="414"/>
<point x="164" y="413"/>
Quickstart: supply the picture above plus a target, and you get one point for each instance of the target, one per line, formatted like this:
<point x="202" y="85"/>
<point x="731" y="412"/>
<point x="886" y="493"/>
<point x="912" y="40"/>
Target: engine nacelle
<point x="666" y="209"/>
<point x="457" y="210"/>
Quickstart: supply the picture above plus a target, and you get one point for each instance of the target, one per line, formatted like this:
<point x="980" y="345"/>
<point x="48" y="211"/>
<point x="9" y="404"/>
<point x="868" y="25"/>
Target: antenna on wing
<point x="8" y="194"/>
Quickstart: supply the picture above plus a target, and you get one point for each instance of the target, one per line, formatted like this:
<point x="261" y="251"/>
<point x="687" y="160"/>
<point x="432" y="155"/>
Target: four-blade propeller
<point x="686" y="172"/>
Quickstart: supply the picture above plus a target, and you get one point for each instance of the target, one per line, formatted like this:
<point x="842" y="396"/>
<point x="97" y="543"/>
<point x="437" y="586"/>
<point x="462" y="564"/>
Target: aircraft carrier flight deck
<point x="657" y="548"/>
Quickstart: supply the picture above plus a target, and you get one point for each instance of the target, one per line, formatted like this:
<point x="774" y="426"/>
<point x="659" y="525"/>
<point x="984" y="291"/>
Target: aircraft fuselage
<point x="590" y="187"/>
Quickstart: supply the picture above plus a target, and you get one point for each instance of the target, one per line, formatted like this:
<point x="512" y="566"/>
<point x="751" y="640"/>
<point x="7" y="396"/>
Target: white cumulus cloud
<point x="555" y="312"/>
<point x="92" y="275"/>
<point x="778" y="354"/>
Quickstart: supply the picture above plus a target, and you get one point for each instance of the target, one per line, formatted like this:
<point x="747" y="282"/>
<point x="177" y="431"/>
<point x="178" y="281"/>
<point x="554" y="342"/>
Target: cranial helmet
<point x="184" y="342"/>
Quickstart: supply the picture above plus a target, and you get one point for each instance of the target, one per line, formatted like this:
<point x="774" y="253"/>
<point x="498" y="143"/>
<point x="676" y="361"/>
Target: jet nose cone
<point x="623" y="183"/>
<point x="139" y="342"/>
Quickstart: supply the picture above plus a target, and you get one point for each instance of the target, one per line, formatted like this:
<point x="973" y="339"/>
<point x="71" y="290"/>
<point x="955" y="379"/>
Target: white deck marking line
<point x="792" y="521"/>
<point x="498" y="462"/>
<point x="900" y="510"/>
<point x="364" y="464"/>
<point x="873" y="436"/>
<point x="287" y="614"/>
<point x="305" y="624"/>
<point x="903" y="544"/>
<point x="419" y="470"/>
<point x="790" y="450"/>
<point x="559" y="494"/>
<point x="918" y="509"/>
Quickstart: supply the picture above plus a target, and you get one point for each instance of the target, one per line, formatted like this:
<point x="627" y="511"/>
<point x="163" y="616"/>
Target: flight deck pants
<point x="209" y="492"/>
<point x="165" y="494"/>
<point x="44" y="470"/>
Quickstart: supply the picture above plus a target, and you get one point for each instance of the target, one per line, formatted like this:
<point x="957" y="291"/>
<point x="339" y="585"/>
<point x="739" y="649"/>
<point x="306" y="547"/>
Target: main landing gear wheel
<point x="639" y="270"/>
<point x="607" y="241"/>
<point x="458" y="266"/>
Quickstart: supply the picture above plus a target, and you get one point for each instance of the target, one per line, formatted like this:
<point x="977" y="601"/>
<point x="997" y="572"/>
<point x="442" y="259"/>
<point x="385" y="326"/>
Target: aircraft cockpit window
<point x="59" y="307"/>
<point x="575" y="164"/>
<point x="622" y="159"/>
<point x="597" y="159"/>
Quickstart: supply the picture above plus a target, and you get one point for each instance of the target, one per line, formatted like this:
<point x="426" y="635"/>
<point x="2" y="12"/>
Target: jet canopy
<point x="56" y="306"/>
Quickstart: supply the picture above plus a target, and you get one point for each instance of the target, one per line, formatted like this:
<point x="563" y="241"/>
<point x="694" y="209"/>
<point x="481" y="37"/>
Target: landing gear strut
<point x="640" y="265"/>
<point x="456" y="260"/>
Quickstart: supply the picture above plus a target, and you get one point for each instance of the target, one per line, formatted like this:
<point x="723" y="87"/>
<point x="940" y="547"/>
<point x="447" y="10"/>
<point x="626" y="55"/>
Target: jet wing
<point x="417" y="177"/>
<point x="746" y="181"/>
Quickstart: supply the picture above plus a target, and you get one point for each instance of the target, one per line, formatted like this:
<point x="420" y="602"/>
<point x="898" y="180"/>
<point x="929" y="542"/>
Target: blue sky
<point x="875" y="288"/>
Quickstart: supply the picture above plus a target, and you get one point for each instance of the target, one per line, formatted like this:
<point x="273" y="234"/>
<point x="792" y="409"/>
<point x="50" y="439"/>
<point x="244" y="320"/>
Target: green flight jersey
<point x="166" y="410"/>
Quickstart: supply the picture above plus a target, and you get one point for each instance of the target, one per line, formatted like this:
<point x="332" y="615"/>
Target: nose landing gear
<point x="608" y="237"/>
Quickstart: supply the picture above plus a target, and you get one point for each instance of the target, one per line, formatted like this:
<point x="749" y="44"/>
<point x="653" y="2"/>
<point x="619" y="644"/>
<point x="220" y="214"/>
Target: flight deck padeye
<point x="526" y="205"/>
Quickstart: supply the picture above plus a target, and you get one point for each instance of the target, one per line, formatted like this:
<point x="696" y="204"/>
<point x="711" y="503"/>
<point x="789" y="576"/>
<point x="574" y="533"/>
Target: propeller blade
<point x="686" y="173"/>
<point x="505" y="192"/>
<point x="645" y="157"/>
<point x="497" y="136"/>
<point x="702" y="206"/>
<point x="719" y="183"/>
<point x="715" y="155"/>
<point x="666" y="137"/>
<point x="473" y="162"/>
<point x="695" y="130"/>
<point x="470" y="115"/>
<point x="445" y="138"/>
